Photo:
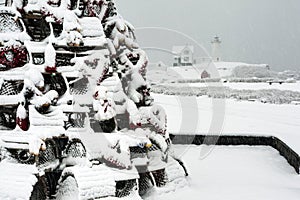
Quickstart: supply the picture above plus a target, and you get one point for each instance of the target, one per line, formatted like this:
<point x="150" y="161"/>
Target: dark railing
<point x="288" y="153"/>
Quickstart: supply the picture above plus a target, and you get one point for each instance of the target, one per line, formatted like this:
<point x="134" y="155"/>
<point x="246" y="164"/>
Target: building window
<point x="186" y="59"/>
<point x="186" y="52"/>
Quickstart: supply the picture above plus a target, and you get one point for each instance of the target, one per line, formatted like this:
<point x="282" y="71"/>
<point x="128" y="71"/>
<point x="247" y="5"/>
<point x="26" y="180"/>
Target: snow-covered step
<point x="17" y="180"/>
<point x="91" y="183"/>
<point x="54" y="118"/>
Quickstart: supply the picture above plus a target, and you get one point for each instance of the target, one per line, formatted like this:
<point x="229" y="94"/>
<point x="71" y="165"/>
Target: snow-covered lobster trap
<point x="77" y="118"/>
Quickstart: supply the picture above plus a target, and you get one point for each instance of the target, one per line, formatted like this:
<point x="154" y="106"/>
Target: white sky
<point x="254" y="31"/>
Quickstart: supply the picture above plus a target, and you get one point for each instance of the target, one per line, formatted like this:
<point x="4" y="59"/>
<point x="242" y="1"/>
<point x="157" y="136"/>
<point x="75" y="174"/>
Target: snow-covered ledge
<point x="290" y="155"/>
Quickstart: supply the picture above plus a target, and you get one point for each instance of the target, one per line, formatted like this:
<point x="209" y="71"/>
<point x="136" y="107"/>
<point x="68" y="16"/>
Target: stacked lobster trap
<point x="77" y="118"/>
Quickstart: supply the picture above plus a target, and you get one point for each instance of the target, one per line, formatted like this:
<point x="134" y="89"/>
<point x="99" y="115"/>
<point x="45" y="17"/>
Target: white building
<point x="216" y="49"/>
<point x="183" y="55"/>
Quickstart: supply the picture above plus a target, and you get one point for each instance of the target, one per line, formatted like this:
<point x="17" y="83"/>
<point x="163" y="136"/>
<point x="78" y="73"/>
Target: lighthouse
<point x="216" y="49"/>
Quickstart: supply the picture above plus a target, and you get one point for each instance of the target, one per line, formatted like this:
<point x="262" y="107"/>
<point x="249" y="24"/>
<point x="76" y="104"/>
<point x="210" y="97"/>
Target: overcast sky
<point x="253" y="31"/>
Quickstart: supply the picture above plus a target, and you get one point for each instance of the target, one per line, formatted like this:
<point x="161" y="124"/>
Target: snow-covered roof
<point x="179" y="49"/>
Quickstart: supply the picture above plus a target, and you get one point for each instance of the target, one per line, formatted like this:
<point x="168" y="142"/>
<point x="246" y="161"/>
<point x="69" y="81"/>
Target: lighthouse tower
<point x="216" y="49"/>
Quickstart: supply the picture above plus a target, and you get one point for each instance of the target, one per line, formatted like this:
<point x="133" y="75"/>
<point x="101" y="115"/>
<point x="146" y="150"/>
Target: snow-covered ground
<point x="214" y="69"/>
<point x="235" y="173"/>
<point x="252" y="86"/>
<point x="203" y="115"/>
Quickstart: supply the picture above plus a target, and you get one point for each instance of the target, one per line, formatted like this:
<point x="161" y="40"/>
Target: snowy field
<point x="286" y="93"/>
<point x="235" y="173"/>
<point x="253" y="86"/>
<point x="203" y="115"/>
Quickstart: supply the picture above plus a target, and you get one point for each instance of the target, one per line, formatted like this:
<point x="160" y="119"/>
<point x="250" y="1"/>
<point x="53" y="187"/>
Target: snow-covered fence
<point x="288" y="153"/>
